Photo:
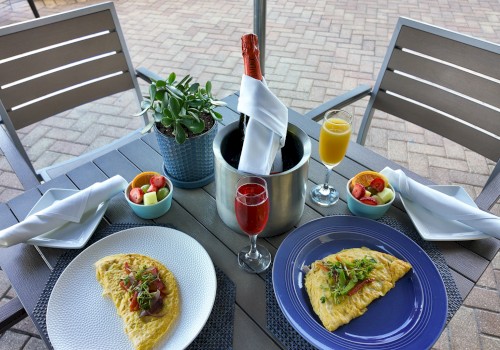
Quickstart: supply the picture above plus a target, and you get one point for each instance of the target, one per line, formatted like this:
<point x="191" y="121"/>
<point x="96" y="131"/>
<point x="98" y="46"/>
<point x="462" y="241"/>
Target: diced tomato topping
<point x="136" y="195"/>
<point x="134" y="304"/>
<point x="368" y="200"/>
<point x="157" y="284"/>
<point x="358" y="286"/>
<point x="122" y="284"/>
<point x="154" y="271"/>
<point x="378" y="184"/>
<point x="126" y="267"/>
<point x="358" y="191"/>
<point x="322" y="267"/>
<point x="158" y="181"/>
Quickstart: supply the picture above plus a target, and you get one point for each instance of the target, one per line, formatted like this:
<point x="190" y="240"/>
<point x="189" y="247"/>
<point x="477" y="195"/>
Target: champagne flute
<point x="251" y="206"/>
<point x="333" y="141"/>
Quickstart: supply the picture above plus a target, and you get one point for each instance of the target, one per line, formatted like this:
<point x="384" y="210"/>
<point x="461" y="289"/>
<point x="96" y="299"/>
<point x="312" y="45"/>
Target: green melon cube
<point x="386" y="195"/>
<point x="150" y="198"/>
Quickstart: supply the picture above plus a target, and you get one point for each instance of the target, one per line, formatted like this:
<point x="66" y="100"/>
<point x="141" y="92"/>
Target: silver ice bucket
<point x="287" y="190"/>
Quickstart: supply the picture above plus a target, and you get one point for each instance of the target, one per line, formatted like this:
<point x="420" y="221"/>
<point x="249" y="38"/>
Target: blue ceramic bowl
<point x="151" y="211"/>
<point x="368" y="211"/>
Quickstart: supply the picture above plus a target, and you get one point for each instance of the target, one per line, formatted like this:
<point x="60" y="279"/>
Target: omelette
<point x="342" y="285"/>
<point x="145" y="294"/>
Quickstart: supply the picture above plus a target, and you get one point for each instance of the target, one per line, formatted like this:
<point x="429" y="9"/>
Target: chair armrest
<point x="491" y="191"/>
<point x="147" y="75"/>
<point x="24" y="171"/>
<point x="339" y="102"/>
<point x="11" y="313"/>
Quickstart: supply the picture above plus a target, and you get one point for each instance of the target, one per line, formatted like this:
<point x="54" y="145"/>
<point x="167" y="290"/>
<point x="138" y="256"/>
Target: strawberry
<point x="136" y="195"/>
<point x="152" y="188"/>
<point x="368" y="200"/>
<point x="158" y="181"/>
<point x="378" y="184"/>
<point x="358" y="191"/>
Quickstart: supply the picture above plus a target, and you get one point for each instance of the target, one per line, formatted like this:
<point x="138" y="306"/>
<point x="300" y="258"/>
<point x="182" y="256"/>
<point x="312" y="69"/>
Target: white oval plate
<point x="79" y="315"/>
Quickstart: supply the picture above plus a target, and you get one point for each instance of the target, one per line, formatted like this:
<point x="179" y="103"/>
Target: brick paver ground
<point x="315" y="50"/>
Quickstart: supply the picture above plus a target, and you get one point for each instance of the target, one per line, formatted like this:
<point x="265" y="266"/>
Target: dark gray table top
<point x="195" y="212"/>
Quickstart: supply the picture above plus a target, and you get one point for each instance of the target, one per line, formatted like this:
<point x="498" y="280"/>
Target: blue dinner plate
<point x="410" y="316"/>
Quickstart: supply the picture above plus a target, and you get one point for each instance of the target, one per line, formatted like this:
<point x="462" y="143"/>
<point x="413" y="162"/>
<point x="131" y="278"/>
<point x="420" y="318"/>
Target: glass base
<point x="258" y="265"/>
<point x="324" y="196"/>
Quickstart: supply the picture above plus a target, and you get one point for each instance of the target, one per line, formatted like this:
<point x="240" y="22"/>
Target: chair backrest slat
<point x="34" y="112"/>
<point x="476" y="114"/>
<point x="60" y="56"/>
<point x="443" y="81"/>
<point x="458" y="49"/>
<point x="477" y="87"/>
<point x="42" y="33"/>
<point x="63" y="79"/>
<point x="48" y="60"/>
<point x="480" y="142"/>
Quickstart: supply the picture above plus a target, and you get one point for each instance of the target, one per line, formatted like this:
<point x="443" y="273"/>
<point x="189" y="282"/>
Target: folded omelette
<point x="342" y="285"/>
<point x="145" y="294"/>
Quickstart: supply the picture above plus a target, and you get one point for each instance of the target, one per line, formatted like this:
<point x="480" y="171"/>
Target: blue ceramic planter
<point x="190" y="165"/>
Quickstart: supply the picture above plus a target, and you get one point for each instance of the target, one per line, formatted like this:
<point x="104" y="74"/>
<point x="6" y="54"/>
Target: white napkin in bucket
<point x="442" y="205"/>
<point x="266" y="130"/>
<point x="70" y="209"/>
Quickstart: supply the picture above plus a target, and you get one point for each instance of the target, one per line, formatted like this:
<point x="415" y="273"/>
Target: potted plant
<point x="185" y="125"/>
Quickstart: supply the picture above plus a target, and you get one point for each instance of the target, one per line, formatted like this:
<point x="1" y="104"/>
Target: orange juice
<point x="333" y="141"/>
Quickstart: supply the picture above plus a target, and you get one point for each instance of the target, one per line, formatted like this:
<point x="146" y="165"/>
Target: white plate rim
<point x="172" y="340"/>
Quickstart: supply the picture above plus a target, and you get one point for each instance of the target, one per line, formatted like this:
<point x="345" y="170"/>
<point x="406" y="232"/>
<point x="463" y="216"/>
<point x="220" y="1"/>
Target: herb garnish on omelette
<point x="145" y="295"/>
<point x="342" y="285"/>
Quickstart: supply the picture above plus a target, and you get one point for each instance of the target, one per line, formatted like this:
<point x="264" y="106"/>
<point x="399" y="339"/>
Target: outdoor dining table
<point x="254" y="320"/>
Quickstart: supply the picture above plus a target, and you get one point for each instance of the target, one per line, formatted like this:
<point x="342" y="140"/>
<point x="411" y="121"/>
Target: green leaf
<point x="160" y="83"/>
<point x="147" y="127"/>
<point x="194" y="87"/>
<point x="152" y="91"/>
<point x="218" y="103"/>
<point x="171" y="78"/>
<point x="195" y="126"/>
<point x="174" y="107"/>
<point x="145" y="104"/>
<point x="180" y="134"/>
<point x="167" y="121"/>
<point x="208" y="87"/>
<point x="216" y="115"/>
<point x="174" y="91"/>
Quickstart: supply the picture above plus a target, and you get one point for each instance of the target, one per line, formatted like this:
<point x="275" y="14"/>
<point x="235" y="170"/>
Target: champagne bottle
<point x="251" y="66"/>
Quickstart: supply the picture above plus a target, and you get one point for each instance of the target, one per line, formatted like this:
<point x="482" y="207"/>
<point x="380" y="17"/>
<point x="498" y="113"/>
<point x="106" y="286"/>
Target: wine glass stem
<point x="327" y="178"/>
<point x="253" y="253"/>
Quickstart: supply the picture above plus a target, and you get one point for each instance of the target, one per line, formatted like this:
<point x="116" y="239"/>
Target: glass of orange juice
<point x="333" y="141"/>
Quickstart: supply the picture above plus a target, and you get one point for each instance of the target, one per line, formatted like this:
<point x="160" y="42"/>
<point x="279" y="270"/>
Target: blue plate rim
<point x="428" y="322"/>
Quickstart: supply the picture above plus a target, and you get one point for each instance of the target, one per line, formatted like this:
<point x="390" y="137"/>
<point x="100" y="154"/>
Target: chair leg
<point x="33" y="8"/>
<point x="11" y="313"/>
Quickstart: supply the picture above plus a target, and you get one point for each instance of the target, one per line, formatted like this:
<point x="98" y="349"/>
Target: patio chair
<point x="50" y="65"/>
<point x="53" y="64"/>
<point x="443" y="81"/>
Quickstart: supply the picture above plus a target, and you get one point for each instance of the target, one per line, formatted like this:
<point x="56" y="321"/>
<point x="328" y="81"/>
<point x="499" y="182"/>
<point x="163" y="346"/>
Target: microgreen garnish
<point x="345" y="278"/>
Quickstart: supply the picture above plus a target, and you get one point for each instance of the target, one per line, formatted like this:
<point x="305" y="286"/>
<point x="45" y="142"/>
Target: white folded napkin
<point x="441" y="204"/>
<point x="266" y="130"/>
<point x="70" y="209"/>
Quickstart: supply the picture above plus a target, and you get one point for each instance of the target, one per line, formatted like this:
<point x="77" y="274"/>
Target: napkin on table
<point x="70" y="209"/>
<point x="442" y="205"/>
<point x="266" y="130"/>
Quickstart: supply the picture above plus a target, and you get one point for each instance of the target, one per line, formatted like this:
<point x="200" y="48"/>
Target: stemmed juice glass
<point x="251" y="206"/>
<point x="333" y="141"/>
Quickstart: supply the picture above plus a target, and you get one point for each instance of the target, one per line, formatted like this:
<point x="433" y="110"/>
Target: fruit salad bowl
<point x="369" y="195"/>
<point x="149" y="195"/>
